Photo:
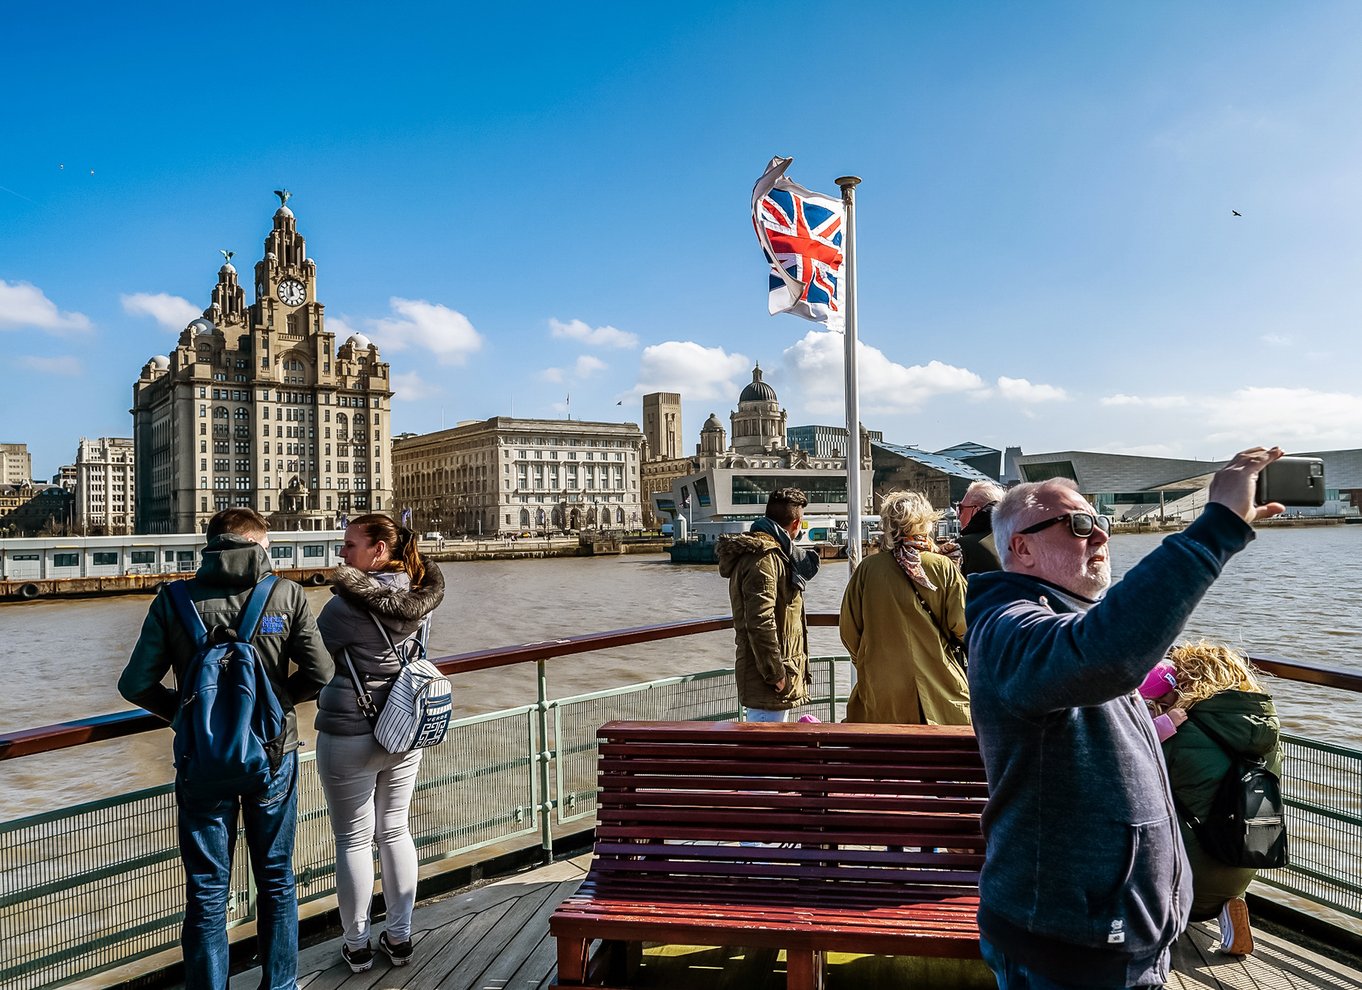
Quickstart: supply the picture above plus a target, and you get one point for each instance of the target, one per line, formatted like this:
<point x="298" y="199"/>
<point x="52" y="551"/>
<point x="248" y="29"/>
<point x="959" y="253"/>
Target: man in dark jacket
<point x="1085" y="882"/>
<point x="978" y="553"/>
<point x="234" y="561"/>
<point x="766" y="574"/>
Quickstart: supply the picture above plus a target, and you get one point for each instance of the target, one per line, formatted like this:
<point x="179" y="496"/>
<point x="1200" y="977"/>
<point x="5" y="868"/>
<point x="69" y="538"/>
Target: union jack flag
<point x="801" y="234"/>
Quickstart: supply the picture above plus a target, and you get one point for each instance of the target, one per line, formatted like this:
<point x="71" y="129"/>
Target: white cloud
<point x="445" y="332"/>
<point x="1275" y="340"/>
<point x="1295" y="418"/>
<point x="696" y="371"/>
<point x="593" y="336"/>
<point x="66" y="365"/>
<point x="172" y="312"/>
<point x="340" y="327"/>
<point x="1021" y="390"/>
<point x="1146" y="401"/>
<point x="411" y="387"/>
<point x="886" y="386"/>
<point x="588" y="365"/>
<point x="24" y="306"/>
<point x="551" y="375"/>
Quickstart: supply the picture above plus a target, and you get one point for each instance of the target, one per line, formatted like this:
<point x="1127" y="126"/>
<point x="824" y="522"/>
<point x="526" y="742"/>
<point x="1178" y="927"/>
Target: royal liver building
<point x="255" y="406"/>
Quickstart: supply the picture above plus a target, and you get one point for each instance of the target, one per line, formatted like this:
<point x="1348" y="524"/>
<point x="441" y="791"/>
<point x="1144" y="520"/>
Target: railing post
<point x="832" y="689"/>
<point x="544" y="756"/>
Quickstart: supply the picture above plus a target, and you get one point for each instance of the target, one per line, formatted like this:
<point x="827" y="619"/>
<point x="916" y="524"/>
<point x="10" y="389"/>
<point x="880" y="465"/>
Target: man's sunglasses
<point x="1081" y="524"/>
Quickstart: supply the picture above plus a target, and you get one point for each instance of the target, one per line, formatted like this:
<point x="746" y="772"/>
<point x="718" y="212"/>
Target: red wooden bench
<point x="869" y="837"/>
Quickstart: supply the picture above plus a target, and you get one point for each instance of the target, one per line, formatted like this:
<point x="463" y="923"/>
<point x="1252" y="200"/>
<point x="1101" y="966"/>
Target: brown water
<point x="1294" y="593"/>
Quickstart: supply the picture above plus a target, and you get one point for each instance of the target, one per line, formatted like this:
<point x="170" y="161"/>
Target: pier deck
<point x="496" y="938"/>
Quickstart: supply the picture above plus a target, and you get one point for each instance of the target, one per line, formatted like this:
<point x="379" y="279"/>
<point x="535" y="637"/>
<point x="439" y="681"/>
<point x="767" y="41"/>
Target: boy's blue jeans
<point x="207" y="837"/>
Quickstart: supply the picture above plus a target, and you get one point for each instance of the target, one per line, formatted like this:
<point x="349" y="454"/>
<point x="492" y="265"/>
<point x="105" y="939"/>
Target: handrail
<point x="97" y="728"/>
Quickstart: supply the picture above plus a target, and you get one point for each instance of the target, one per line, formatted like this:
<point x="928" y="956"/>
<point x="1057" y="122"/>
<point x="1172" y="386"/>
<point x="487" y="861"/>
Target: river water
<point x="1294" y="593"/>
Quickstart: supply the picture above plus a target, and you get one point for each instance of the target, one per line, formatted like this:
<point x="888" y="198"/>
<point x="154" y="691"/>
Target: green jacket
<point x="231" y="568"/>
<point x="1247" y="721"/>
<point x="770" y="631"/>
<point x="902" y="672"/>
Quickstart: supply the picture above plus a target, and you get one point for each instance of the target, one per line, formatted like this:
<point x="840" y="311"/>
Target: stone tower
<point x="759" y="422"/>
<point x="662" y="424"/>
<point x="256" y="407"/>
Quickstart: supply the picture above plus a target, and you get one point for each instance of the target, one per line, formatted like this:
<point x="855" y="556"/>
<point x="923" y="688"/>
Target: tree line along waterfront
<point x="1291" y="594"/>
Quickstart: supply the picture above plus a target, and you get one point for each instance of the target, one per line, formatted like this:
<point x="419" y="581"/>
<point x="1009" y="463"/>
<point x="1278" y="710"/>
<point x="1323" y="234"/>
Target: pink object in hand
<point x="1159" y="681"/>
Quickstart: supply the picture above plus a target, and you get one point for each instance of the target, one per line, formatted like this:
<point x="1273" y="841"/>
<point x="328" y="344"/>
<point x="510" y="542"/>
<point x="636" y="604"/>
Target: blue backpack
<point x="228" y="712"/>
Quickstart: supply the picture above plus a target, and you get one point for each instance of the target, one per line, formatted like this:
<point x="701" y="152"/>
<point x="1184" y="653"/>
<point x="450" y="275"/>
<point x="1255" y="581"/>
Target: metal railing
<point x="91" y="887"/>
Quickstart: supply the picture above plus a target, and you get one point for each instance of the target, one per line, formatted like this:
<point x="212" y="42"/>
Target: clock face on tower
<point x="291" y="292"/>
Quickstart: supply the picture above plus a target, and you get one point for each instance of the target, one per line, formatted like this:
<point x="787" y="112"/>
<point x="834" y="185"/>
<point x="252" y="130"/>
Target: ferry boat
<point x="92" y="894"/>
<point x="38" y="567"/>
<point x="824" y="535"/>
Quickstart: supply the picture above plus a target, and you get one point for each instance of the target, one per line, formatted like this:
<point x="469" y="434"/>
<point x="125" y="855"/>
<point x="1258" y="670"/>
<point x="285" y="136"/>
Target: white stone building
<point x="106" y="481"/>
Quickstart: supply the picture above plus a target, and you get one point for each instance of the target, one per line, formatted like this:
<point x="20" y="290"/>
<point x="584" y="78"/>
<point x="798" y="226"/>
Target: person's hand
<point x="1233" y="485"/>
<point x="1177" y="716"/>
<point x="779" y="685"/>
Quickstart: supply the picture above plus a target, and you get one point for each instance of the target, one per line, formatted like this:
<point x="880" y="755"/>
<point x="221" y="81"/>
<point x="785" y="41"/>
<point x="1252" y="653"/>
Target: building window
<point x="104" y="558"/>
<point x="66" y="560"/>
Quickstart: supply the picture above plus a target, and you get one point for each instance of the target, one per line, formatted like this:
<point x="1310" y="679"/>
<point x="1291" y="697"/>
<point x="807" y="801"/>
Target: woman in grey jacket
<point x="369" y="790"/>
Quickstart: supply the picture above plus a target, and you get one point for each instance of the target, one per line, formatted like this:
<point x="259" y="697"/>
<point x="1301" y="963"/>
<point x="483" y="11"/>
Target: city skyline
<point x="521" y="210"/>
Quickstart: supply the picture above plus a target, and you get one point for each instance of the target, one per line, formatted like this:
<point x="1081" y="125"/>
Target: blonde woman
<point x="901" y="610"/>
<point x="1219" y="691"/>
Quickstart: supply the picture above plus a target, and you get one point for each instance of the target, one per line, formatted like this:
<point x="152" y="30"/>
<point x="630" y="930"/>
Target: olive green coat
<point x="769" y="630"/>
<point x="1247" y="722"/>
<point x="903" y="674"/>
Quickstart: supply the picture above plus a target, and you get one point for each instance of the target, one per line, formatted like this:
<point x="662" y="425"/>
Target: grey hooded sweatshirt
<point x="346" y="625"/>
<point x="1085" y="878"/>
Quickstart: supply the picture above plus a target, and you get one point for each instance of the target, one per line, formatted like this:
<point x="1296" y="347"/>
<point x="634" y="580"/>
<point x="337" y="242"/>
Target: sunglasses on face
<point x="1081" y="524"/>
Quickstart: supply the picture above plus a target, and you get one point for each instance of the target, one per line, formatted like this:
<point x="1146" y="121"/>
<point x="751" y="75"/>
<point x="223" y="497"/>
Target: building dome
<point x="758" y="390"/>
<point x="160" y="362"/>
<point x="712" y="423"/>
<point x="227" y="269"/>
<point x="283" y="211"/>
<point x="359" y="340"/>
<point x="201" y="326"/>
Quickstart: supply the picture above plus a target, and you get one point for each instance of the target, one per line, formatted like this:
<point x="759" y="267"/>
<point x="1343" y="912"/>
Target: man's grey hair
<point x="984" y="492"/>
<point x="1013" y="507"/>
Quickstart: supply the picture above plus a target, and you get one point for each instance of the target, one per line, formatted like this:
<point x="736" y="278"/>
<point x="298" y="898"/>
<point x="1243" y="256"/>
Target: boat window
<point x="106" y="557"/>
<point x="66" y="560"/>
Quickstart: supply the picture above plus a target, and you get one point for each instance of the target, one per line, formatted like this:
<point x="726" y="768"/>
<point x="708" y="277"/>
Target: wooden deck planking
<point x="496" y="938"/>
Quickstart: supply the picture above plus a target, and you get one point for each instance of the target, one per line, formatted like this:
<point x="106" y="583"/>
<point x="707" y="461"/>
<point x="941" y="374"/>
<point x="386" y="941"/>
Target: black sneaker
<point x="358" y="959"/>
<point x="398" y="953"/>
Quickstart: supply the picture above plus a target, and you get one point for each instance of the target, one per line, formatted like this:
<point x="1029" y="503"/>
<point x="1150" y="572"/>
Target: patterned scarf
<point x="908" y="552"/>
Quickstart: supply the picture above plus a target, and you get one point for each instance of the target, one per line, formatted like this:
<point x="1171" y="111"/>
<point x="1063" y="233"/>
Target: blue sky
<point x="534" y="201"/>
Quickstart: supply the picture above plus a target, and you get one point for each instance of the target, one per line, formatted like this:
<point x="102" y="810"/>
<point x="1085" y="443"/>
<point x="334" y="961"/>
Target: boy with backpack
<point x="230" y="634"/>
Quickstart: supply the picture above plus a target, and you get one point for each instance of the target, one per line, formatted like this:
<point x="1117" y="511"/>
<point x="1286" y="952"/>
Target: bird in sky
<point x="1236" y="213"/>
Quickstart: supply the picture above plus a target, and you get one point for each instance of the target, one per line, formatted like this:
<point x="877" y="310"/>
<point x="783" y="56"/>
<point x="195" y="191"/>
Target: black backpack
<point x="1246" y="825"/>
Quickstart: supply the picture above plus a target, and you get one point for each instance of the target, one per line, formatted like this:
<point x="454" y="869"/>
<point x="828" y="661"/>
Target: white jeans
<point x="368" y="791"/>
<point x="768" y="715"/>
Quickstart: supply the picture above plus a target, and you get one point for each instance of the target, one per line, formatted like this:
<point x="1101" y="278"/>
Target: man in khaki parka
<point x="766" y="574"/>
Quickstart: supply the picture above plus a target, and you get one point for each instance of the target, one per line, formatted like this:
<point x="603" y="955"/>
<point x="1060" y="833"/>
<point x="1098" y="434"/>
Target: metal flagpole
<point x="848" y="184"/>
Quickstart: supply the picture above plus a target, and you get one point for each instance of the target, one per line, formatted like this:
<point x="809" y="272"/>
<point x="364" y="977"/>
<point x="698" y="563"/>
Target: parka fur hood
<point x="396" y="601"/>
<point x="735" y="545"/>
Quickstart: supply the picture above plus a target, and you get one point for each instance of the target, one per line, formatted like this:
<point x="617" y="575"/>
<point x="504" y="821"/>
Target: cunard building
<point x="255" y="406"/>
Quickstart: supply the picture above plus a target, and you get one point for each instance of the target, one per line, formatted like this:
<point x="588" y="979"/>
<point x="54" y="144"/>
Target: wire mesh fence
<point x="97" y="885"/>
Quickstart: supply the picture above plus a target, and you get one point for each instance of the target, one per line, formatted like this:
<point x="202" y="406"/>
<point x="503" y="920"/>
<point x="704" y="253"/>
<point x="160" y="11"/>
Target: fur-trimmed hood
<point x="389" y="594"/>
